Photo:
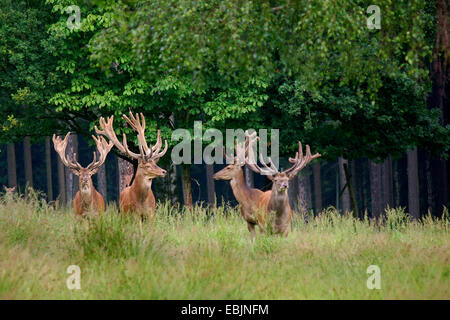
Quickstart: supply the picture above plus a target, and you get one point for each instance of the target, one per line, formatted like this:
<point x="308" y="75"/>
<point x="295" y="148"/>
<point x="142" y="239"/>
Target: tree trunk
<point x="364" y="187"/>
<point x="171" y="182"/>
<point x="12" y="171"/>
<point x="349" y="179"/>
<point x="317" y="187"/>
<point x="61" y="182"/>
<point x="439" y="99"/>
<point x="126" y="171"/>
<point x="304" y="191"/>
<point x="375" y="189"/>
<point x="429" y="181"/>
<point x="28" y="161"/>
<point x="396" y="190"/>
<point x="101" y="179"/>
<point x="345" y="198"/>
<point x="294" y="194"/>
<point x="69" y="175"/>
<point x="249" y="178"/>
<point x="355" y="184"/>
<point x="413" y="184"/>
<point x="75" y="178"/>
<point x="48" y="168"/>
<point x="386" y="173"/>
<point x="186" y="184"/>
<point x="210" y="184"/>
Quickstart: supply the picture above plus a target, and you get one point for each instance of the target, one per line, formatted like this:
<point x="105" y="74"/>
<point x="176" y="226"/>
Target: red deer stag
<point x="137" y="198"/>
<point x="276" y="201"/>
<point x="250" y="200"/>
<point x="87" y="198"/>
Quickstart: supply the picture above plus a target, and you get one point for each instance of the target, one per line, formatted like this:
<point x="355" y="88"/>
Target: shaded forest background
<point x="372" y="101"/>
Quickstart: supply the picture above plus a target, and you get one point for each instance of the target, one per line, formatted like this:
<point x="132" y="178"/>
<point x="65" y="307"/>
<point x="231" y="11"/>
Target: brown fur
<point x="278" y="204"/>
<point x="255" y="205"/>
<point x="139" y="198"/>
<point x="89" y="201"/>
<point x="87" y="198"/>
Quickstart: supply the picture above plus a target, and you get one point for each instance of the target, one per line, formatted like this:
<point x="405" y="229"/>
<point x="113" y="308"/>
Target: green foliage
<point x="311" y="68"/>
<point x="316" y="41"/>
<point x="26" y="77"/>
<point x="342" y="121"/>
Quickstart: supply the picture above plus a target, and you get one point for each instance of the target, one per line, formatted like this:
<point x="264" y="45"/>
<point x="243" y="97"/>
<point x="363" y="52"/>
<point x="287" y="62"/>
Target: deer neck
<point x="141" y="186"/>
<point x="240" y="189"/>
<point x="279" y="201"/>
<point x="87" y="194"/>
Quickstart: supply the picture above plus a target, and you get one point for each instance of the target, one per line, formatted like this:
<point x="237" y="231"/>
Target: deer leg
<point x="251" y="228"/>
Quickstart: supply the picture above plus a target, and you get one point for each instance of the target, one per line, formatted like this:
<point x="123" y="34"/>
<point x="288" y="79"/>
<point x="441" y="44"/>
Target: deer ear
<point x="75" y="172"/>
<point x="94" y="171"/>
<point x="270" y="177"/>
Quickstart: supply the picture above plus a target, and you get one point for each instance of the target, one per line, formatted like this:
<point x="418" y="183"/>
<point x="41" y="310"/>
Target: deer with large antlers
<point x="87" y="198"/>
<point x="276" y="201"/>
<point x="251" y="200"/>
<point x="137" y="198"/>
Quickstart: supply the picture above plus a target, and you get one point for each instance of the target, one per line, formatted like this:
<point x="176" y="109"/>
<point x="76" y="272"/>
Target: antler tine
<point x="156" y="154"/>
<point x="240" y="151"/>
<point x="250" y="160"/>
<point x="108" y="131"/>
<point x="60" y="148"/>
<point x="300" y="161"/>
<point x="158" y="143"/>
<point x="270" y="169"/>
<point x="103" y="148"/>
<point x="138" y="124"/>
<point x="227" y="157"/>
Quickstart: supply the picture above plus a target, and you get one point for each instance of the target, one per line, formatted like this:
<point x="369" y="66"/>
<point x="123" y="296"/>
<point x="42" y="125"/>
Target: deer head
<point x="280" y="179"/>
<point x="9" y="190"/>
<point x="148" y="156"/>
<point x="235" y="163"/>
<point x="84" y="174"/>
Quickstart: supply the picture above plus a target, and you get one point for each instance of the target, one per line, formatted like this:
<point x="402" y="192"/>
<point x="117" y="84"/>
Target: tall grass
<point x="203" y="253"/>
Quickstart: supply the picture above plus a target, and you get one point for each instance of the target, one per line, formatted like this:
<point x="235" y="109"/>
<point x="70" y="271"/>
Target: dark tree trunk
<point x="294" y="194"/>
<point x="249" y="178"/>
<point x="303" y="191"/>
<point x="439" y="99"/>
<point x="186" y="184"/>
<point x="12" y="171"/>
<point x="349" y="179"/>
<point x="28" y="162"/>
<point x="126" y="172"/>
<point x="69" y="175"/>
<point x="210" y="184"/>
<point x="48" y="168"/>
<point x="101" y="178"/>
<point x="386" y="173"/>
<point x="61" y="182"/>
<point x="375" y="189"/>
<point x="364" y="185"/>
<point x="317" y="187"/>
<point x="172" y="183"/>
<point x="429" y="182"/>
<point x="345" y="197"/>
<point x="75" y="178"/>
<point x="396" y="181"/>
<point x="413" y="184"/>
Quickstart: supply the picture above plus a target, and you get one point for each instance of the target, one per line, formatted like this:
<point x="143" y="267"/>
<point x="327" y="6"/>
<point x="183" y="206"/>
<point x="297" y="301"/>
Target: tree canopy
<point x="312" y="68"/>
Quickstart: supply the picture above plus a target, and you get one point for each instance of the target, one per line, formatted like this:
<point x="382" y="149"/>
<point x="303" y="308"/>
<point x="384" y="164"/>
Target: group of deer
<point x="136" y="198"/>
<point x="268" y="209"/>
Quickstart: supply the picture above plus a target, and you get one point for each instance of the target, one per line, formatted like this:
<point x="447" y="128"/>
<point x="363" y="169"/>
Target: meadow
<point x="208" y="254"/>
